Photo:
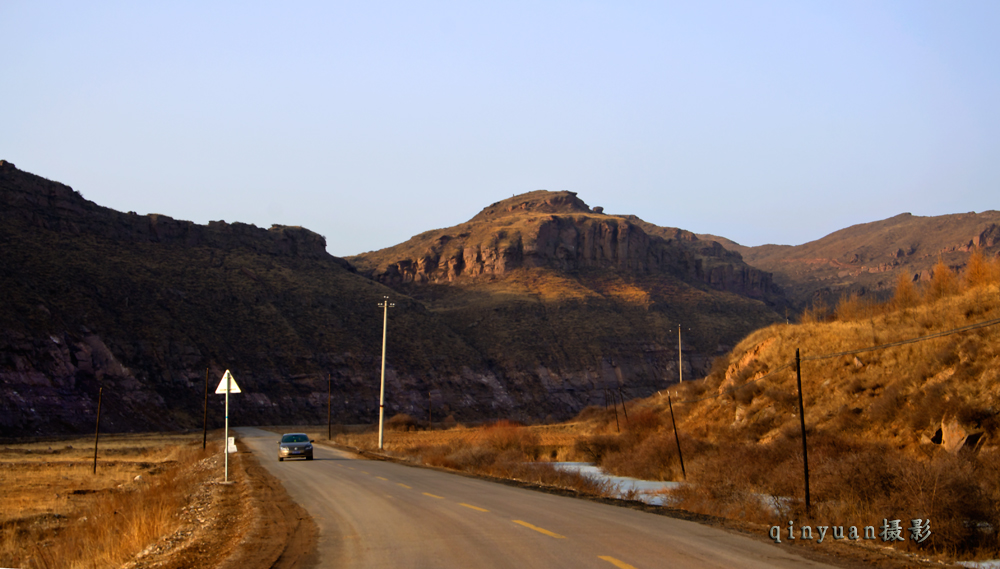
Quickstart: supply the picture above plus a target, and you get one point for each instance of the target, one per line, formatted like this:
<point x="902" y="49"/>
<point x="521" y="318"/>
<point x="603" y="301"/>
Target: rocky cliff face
<point x="52" y="206"/>
<point x="557" y="230"/>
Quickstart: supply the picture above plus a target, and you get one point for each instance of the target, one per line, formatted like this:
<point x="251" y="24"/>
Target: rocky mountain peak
<point x="540" y="201"/>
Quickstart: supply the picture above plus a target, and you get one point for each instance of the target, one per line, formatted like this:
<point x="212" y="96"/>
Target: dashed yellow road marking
<point x="433" y="495"/>
<point x="470" y="506"/>
<point x="616" y="562"/>
<point x="539" y="530"/>
<point x="380" y="478"/>
<point x="404" y="485"/>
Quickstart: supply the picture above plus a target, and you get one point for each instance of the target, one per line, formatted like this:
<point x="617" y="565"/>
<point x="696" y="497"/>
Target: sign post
<point x="227" y="385"/>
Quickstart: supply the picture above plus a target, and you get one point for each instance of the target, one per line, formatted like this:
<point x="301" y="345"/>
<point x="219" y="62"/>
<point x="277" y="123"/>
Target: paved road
<point x="381" y="514"/>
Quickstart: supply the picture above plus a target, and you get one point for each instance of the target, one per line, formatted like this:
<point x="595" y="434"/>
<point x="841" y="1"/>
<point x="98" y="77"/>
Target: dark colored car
<point x="295" y="445"/>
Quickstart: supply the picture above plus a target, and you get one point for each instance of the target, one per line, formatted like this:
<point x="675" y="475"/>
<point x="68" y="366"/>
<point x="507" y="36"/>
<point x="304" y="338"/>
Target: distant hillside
<point x="868" y="258"/>
<point x="551" y="290"/>
<point x="142" y="305"/>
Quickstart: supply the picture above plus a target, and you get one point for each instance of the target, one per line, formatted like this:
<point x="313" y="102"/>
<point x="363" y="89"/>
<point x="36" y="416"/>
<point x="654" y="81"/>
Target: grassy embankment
<point x="55" y="512"/>
<point x="886" y="423"/>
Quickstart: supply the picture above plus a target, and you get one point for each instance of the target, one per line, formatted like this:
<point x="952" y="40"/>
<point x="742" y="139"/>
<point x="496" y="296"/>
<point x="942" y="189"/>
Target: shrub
<point x="594" y="448"/>
<point x="503" y="436"/>
<point x="401" y="422"/>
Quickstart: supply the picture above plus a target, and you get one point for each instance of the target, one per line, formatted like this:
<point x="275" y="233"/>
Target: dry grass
<point x="503" y="449"/>
<point x="56" y="513"/>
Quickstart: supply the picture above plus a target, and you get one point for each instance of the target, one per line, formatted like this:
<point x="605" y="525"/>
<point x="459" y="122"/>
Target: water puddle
<point x="648" y="491"/>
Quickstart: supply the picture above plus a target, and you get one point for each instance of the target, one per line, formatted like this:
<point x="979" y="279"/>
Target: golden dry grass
<point x="56" y="512"/>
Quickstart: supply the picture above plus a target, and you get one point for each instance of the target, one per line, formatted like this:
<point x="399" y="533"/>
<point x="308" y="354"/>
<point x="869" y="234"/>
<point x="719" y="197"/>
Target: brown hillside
<point x="558" y="293"/>
<point x="902" y="413"/>
<point x="868" y="258"/>
<point x="143" y="305"/>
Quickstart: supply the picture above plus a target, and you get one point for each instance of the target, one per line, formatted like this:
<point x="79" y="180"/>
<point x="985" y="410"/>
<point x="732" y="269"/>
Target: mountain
<point x="143" y="305"/>
<point x="533" y="308"/>
<point x="869" y="258"/>
<point x="551" y="290"/>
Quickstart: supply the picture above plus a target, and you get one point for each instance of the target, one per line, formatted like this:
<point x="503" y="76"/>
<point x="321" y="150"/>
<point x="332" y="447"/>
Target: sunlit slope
<point x="902" y="369"/>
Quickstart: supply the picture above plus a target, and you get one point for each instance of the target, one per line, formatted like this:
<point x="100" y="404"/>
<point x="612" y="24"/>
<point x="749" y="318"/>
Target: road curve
<point x="381" y="514"/>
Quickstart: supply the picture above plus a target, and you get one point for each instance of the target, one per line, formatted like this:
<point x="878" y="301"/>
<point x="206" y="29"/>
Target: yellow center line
<point x="404" y="485"/>
<point x="380" y="478"/>
<point x="470" y="506"/>
<point x="364" y="472"/>
<point x="539" y="530"/>
<point x="433" y="495"/>
<point x="617" y="563"/>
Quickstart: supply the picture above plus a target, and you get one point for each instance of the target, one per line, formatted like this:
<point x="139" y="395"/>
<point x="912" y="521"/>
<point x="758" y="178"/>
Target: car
<point x="293" y="445"/>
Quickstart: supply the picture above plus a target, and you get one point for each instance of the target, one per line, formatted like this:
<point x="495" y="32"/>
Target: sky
<point x="370" y="122"/>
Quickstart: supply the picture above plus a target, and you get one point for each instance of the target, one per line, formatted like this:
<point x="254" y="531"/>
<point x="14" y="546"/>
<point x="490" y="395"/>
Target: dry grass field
<point x="55" y="512"/>
<point x="157" y="500"/>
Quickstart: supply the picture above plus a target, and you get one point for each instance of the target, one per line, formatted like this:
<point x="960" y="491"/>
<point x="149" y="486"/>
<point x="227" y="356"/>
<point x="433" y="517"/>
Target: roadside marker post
<point x="227" y="385"/>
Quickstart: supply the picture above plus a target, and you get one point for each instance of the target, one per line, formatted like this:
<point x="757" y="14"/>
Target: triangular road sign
<point x="233" y="388"/>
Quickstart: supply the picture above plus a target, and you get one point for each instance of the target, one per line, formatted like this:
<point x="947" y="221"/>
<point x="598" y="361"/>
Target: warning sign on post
<point x="228" y="384"/>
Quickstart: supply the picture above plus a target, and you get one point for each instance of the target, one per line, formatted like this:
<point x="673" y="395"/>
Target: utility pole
<point x="97" y="427"/>
<point x="385" y="305"/>
<point x="680" y="357"/>
<point x="802" y="422"/>
<point x="204" y="424"/>
<point x="329" y="407"/>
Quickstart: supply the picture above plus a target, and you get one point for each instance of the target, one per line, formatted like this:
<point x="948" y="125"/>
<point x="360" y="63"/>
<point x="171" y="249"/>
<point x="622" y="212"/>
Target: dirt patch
<point x="249" y="523"/>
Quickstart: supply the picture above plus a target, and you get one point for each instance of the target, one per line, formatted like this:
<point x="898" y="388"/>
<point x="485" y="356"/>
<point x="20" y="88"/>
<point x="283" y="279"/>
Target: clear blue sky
<point x="370" y="122"/>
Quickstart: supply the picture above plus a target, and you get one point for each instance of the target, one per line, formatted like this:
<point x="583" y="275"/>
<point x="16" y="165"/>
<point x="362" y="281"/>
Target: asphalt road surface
<point x="381" y="514"/>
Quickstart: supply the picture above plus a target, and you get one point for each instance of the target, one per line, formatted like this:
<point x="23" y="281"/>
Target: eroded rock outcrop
<point x="558" y="230"/>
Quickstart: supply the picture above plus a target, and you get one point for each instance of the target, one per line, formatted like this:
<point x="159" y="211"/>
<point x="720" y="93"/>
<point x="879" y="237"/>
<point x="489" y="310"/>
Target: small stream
<point x="649" y="491"/>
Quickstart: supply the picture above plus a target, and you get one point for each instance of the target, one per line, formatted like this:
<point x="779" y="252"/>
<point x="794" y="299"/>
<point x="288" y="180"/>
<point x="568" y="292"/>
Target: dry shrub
<point x="653" y="458"/>
<point x="595" y="447"/>
<point x="943" y="282"/>
<point x="503" y="436"/>
<point x="874" y="482"/>
<point x="851" y="307"/>
<point x="751" y="482"/>
<point x="818" y="312"/>
<point x="401" y="422"/>
<point x="643" y="422"/>
<point x="979" y="271"/>
<point x="905" y="295"/>
<point x="591" y="413"/>
<point x="505" y="450"/>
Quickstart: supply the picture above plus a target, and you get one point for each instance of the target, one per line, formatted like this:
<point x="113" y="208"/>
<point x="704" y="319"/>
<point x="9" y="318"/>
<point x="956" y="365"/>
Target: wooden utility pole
<point x="680" y="357"/>
<point x="329" y="407"/>
<point x="97" y="429"/>
<point x="802" y="422"/>
<point x="615" y="405"/>
<point x="204" y="428"/>
<point x="624" y="410"/>
<point x="677" y="438"/>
